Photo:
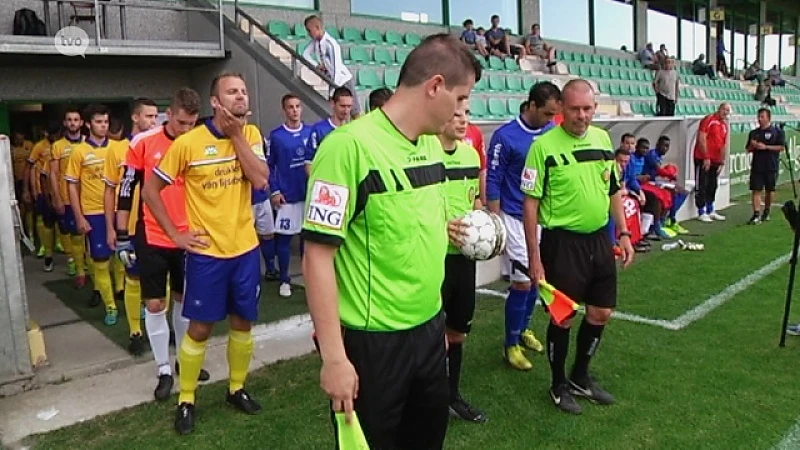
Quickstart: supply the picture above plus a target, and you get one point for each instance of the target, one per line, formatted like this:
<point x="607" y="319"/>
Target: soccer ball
<point x="485" y="235"/>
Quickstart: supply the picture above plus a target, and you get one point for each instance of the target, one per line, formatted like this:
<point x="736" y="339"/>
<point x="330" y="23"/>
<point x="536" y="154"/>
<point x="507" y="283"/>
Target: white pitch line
<point x="791" y="441"/>
<point x="699" y="311"/>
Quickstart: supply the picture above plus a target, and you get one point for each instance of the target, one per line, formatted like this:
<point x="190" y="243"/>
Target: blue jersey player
<point x="341" y="105"/>
<point x="653" y="162"/>
<point x="265" y="226"/>
<point x="507" y="152"/>
<point x="287" y="182"/>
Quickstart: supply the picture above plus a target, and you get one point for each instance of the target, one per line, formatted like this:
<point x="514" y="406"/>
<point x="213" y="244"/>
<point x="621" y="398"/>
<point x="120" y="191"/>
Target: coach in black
<point x="766" y="143"/>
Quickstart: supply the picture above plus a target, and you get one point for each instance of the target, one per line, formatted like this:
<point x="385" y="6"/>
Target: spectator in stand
<point x="722" y="65"/>
<point x="470" y="37"/>
<point x="699" y="67"/>
<point x="378" y="97"/>
<point x="666" y="85"/>
<point x="709" y="160"/>
<point x="536" y="46"/>
<point x="775" y="76"/>
<point x="763" y="93"/>
<point x="647" y="57"/>
<point x="754" y="73"/>
<point x="517" y="48"/>
<point x="661" y="56"/>
<point x="497" y="39"/>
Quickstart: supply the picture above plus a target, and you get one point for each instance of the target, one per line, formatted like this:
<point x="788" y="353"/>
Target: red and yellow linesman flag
<point x="350" y="435"/>
<point x="558" y="304"/>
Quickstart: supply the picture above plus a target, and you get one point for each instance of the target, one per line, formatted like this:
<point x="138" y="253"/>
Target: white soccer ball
<point x="485" y="235"/>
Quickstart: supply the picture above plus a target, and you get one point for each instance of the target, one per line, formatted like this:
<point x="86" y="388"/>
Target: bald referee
<point x="573" y="185"/>
<point x="376" y="239"/>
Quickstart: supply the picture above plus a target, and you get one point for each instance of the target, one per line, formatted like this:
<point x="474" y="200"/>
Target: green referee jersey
<point x="461" y="170"/>
<point x="573" y="177"/>
<point x="380" y="198"/>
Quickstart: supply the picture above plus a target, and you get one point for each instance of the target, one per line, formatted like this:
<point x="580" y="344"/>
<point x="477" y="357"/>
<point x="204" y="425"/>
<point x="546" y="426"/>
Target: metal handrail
<point x="296" y="57"/>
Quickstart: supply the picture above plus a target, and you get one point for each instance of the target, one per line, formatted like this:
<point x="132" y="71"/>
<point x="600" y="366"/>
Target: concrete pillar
<point x="530" y="13"/>
<point x="639" y="24"/>
<point x="712" y="33"/>
<point x="797" y="48"/>
<point x="762" y="19"/>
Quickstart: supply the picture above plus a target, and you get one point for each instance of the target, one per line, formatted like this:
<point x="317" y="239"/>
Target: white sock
<point x="647" y="221"/>
<point x="179" y="323"/>
<point x="158" y="333"/>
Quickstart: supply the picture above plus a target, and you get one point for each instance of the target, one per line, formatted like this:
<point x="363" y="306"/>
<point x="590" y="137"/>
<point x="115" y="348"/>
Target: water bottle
<point x="670" y="246"/>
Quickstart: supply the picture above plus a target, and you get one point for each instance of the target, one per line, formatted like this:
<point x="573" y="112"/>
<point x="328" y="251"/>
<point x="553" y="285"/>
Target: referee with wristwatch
<point x="571" y="183"/>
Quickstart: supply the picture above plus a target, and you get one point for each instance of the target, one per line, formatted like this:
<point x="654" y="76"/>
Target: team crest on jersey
<point x="211" y="150"/>
<point x="258" y="149"/>
<point x="89" y="156"/>
<point x="767" y="136"/>
<point x="301" y="150"/>
<point x="528" y="179"/>
<point x="328" y="205"/>
<point x="607" y="175"/>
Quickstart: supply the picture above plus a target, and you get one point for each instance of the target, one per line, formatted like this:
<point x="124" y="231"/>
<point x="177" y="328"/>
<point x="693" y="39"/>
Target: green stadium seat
<point x="334" y="32"/>
<point x="597" y="59"/>
<point x="605" y="60"/>
<point x="350" y="34"/>
<point x="594" y="71"/>
<point x="359" y="55"/>
<point x="497" y="108"/>
<point x="616" y="89"/>
<point x="373" y="36"/>
<point x="511" y="65"/>
<point x="564" y="56"/>
<point x="513" y="105"/>
<point x="496" y="63"/>
<point x="394" y="38"/>
<point x="681" y="110"/>
<point x="514" y="84"/>
<point x="528" y="82"/>
<point x="300" y="32"/>
<point x="603" y="87"/>
<point x="279" y="28"/>
<point x="478" y="108"/>
<point x="644" y="91"/>
<point x="573" y="69"/>
<point x="615" y="75"/>
<point x="586" y="58"/>
<point x="625" y="89"/>
<point x="368" y="78"/>
<point x="382" y="56"/>
<point x="605" y="72"/>
<point x="584" y="71"/>
<point x="401" y="54"/>
<point x="482" y="85"/>
<point x="412" y="39"/>
<point x="625" y="74"/>
<point x="497" y="83"/>
<point x="390" y="77"/>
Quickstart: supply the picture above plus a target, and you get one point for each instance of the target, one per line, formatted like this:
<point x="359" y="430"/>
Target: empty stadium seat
<point x="482" y="85"/>
<point x="373" y="36"/>
<point x="511" y="64"/>
<point x="478" y="108"/>
<point x="359" y="55"/>
<point x="412" y="39"/>
<point x="394" y="38"/>
<point x="280" y="29"/>
<point x="495" y="63"/>
<point x="334" y="32"/>
<point x="401" y="54"/>
<point x="382" y="56"/>
<point x="497" y="108"/>
<point x="497" y="83"/>
<point x="513" y="105"/>
<point x="350" y="34"/>
<point x="390" y="77"/>
<point x="368" y="78"/>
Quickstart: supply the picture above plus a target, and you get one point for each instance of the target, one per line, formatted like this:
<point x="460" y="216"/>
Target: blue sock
<point x="268" y="252"/>
<point x="515" y="314"/>
<point x="701" y="211"/>
<point x="283" y="244"/>
<point x="710" y="207"/>
<point x="530" y="306"/>
<point x="677" y="202"/>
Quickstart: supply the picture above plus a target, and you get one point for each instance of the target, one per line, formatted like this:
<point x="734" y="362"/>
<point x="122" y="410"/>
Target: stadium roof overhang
<point x="742" y="14"/>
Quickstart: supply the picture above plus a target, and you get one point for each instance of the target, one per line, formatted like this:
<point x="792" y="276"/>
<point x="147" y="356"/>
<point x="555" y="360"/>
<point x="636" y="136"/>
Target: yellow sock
<point x="191" y="357"/>
<point x="240" y="349"/>
<point x="119" y="274"/>
<point x="66" y="243"/>
<point x="102" y="283"/>
<point x="90" y="262"/>
<point x="47" y="235"/>
<point x="133" y="305"/>
<point x="79" y="253"/>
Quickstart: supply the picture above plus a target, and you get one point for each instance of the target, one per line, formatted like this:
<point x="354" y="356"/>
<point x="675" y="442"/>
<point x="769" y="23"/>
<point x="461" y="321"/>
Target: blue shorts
<point x="98" y="247"/>
<point x="66" y="221"/>
<point x="217" y="287"/>
<point x="45" y="211"/>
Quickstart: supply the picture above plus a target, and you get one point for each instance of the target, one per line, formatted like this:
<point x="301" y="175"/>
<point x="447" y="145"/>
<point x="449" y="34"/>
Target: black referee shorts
<point x="762" y="180"/>
<point x="458" y="292"/>
<point x="580" y="265"/>
<point x="403" y="392"/>
<point x="155" y="263"/>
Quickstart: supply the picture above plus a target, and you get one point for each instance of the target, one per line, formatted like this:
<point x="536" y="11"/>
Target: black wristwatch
<point x="625" y="233"/>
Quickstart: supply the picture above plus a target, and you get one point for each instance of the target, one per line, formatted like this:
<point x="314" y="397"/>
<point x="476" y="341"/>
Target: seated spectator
<point x="775" y="76"/>
<point x="536" y="46"/>
<point x="661" y="56"/>
<point x="754" y="73"/>
<point x="666" y="85"/>
<point x="624" y="48"/>
<point x="470" y="37"/>
<point x="497" y="40"/>
<point x="658" y="177"/>
<point x="648" y="58"/>
<point x="517" y="48"/>
<point x="763" y="93"/>
<point x="699" y="67"/>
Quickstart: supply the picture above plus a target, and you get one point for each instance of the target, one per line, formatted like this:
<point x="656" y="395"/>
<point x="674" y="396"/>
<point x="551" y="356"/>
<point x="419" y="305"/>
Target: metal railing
<point x="297" y="62"/>
<point x="100" y="9"/>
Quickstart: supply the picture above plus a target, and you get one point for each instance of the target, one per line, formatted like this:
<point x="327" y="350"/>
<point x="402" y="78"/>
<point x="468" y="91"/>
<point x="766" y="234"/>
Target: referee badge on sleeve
<point x="528" y="179"/>
<point x="607" y="175"/>
<point x="328" y="204"/>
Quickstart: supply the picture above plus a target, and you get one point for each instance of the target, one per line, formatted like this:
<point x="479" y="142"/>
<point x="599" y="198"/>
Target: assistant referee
<point x="376" y="238"/>
<point x="574" y="185"/>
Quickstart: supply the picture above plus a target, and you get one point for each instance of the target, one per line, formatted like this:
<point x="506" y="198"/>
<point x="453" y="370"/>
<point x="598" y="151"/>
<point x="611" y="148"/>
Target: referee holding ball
<point x="571" y="184"/>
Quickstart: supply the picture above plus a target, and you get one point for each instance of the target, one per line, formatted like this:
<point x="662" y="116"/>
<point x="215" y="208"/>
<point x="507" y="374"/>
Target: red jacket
<point x="474" y="138"/>
<point x="716" y="131"/>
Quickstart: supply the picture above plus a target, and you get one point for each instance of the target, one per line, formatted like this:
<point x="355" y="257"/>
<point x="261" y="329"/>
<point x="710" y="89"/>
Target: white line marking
<point x="791" y="440"/>
<point x="699" y="311"/>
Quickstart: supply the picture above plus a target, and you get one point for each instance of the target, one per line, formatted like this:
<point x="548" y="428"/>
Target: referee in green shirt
<point x="376" y="236"/>
<point x="571" y="184"/>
